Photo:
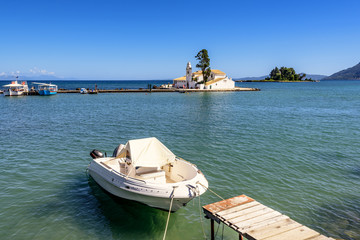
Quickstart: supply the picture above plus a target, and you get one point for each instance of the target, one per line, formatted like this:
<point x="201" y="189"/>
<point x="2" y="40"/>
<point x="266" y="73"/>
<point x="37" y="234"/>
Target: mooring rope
<point x="222" y="235"/>
<point x="168" y="218"/>
<point x="200" y="210"/>
<point x="217" y="230"/>
<point x="202" y="225"/>
<point x="211" y="190"/>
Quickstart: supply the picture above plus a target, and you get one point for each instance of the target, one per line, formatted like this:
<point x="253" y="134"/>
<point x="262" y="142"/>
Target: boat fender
<point x="96" y="154"/>
<point x="192" y="189"/>
<point x="118" y="150"/>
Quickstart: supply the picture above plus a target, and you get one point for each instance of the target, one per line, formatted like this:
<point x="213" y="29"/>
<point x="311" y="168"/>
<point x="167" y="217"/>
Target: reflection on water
<point x="128" y="218"/>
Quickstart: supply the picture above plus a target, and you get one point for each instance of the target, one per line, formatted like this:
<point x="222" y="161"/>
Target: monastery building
<point x="194" y="80"/>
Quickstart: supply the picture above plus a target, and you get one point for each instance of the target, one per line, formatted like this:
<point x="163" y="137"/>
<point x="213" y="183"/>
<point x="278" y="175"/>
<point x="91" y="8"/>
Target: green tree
<point x="285" y="73"/>
<point x="204" y="64"/>
<point x="275" y="74"/>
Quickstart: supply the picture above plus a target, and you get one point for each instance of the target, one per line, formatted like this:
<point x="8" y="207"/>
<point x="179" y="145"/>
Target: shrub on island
<point x="286" y="74"/>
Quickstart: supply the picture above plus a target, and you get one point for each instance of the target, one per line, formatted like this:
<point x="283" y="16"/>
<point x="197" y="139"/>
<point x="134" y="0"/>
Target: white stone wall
<point x="201" y="86"/>
<point x="223" y="84"/>
<point x="180" y="84"/>
<point x="199" y="78"/>
<point x="192" y="85"/>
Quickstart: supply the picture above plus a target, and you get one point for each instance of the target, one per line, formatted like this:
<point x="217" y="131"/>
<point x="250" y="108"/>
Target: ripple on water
<point x="291" y="147"/>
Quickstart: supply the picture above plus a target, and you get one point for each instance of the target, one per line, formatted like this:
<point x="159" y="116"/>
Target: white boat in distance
<point x="15" y="88"/>
<point x="83" y="91"/>
<point x="146" y="171"/>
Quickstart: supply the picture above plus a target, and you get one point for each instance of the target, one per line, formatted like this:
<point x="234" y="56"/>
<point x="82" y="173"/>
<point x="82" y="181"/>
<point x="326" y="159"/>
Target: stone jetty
<point x="145" y="90"/>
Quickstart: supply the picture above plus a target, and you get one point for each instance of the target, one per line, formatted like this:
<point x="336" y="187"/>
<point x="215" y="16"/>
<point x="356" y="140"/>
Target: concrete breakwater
<point x="145" y="90"/>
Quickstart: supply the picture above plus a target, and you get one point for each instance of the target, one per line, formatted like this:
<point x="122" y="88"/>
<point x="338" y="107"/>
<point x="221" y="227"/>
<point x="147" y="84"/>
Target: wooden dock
<point x="256" y="221"/>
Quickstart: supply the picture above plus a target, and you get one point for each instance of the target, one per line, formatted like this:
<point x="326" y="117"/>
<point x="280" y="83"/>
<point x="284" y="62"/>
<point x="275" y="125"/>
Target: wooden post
<point x="240" y="237"/>
<point x="212" y="230"/>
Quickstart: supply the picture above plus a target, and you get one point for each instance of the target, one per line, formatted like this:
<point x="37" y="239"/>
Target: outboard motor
<point x="96" y="154"/>
<point x="118" y="150"/>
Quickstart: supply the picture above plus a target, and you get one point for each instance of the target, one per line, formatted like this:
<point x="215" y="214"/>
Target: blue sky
<point x="155" y="39"/>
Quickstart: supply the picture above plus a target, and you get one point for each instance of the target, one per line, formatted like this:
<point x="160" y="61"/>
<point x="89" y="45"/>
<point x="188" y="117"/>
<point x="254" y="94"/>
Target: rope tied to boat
<point x="168" y="218"/>
<point x="205" y="237"/>
<point x="201" y="219"/>
<point x="211" y="191"/>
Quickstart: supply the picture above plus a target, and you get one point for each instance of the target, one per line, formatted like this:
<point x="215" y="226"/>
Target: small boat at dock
<point x="15" y="88"/>
<point x="83" y="91"/>
<point x="146" y="171"/>
<point x="46" y="89"/>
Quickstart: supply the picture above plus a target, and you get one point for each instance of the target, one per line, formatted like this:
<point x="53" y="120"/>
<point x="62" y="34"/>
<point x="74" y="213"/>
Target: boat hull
<point x="13" y="93"/>
<point x="148" y="194"/>
<point x="46" y="92"/>
<point x="156" y="202"/>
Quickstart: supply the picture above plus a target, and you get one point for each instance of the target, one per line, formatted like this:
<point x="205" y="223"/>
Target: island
<point x="283" y="74"/>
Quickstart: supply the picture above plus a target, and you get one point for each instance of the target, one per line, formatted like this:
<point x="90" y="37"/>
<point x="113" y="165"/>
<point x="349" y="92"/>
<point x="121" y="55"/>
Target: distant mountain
<point x="315" y="76"/>
<point x="352" y="73"/>
<point x="251" y="78"/>
<point x="31" y="78"/>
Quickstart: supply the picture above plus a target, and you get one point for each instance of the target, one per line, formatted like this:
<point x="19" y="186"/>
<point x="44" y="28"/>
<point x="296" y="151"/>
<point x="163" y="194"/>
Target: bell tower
<point x="188" y="73"/>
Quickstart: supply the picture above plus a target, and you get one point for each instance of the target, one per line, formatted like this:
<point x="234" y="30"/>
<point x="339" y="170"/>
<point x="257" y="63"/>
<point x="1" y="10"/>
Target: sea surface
<point x="292" y="146"/>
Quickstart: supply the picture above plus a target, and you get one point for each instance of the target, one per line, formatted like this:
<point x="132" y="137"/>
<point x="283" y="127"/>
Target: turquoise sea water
<point x="292" y="146"/>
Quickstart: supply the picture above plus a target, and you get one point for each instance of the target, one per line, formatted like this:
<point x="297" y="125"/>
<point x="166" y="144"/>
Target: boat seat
<point x="157" y="176"/>
<point x="153" y="174"/>
<point x="142" y="170"/>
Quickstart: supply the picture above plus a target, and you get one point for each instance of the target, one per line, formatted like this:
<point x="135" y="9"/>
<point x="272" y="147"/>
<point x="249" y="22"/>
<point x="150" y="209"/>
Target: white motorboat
<point x="146" y="171"/>
<point x="83" y="91"/>
<point x="15" y="88"/>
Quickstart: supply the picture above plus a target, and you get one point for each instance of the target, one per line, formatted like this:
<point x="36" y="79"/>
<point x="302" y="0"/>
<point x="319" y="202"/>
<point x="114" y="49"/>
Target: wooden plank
<point x="259" y="218"/>
<point x="228" y="203"/>
<point x="249" y="222"/>
<point x="300" y="233"/>
<point x="262" y="224"/>
<point x="238" y="208"/>
<point x="251" y="215"/>
<point x="273" y="229"/>
<point x="242" y="212"/>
